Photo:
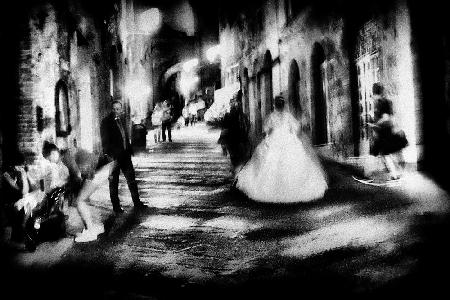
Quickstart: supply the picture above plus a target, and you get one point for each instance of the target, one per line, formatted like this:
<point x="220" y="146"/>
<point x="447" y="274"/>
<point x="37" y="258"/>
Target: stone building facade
<point x="60" y="88"/>
<point x="324" y="56"/>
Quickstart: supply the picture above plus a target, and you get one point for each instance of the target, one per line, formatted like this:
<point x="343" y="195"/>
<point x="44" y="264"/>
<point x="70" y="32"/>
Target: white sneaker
<point x="86" y="236"/>
<point x="98" y="228"/>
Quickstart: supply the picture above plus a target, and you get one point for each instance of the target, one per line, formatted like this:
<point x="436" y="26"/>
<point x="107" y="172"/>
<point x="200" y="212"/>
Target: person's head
<point x="377" y="89"/>
<point x="279" y="103"/>
<point x="117" y="108"/>
<point x="50" y="152"/>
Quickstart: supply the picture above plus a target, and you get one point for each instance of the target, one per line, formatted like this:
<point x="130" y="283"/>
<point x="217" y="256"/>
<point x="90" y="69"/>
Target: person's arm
<point x="11" y="182"/>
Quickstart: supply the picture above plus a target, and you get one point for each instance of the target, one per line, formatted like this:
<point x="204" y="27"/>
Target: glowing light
<point x="187" y="83"/>
<point x="212" y="53"/>
<point x="149" y="21"/>
<point x="190" y="64"/>
<point x="136" y="89"/>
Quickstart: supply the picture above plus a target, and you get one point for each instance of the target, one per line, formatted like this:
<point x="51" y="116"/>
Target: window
<point x="62" y="115"/>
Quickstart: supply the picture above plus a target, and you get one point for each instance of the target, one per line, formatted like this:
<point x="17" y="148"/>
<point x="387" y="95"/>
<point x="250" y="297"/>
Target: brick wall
<point x="49" y="53"/>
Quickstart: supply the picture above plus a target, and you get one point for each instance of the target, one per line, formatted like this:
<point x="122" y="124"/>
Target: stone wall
<point x="246" y="38"/>
<point x="62" y="45"/>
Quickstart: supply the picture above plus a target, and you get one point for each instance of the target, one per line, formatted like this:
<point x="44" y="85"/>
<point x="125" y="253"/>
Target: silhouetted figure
<point x="117" y="148"/>
<point x="234" y="135"/>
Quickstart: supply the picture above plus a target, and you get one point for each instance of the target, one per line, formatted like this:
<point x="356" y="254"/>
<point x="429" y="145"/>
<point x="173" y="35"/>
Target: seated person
<point x="17" y="186"/>
<point x="55" y="173"/>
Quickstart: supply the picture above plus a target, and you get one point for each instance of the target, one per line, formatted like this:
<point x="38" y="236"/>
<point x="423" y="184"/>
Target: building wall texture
<point x="291" y="39"/>
<point x="62" y="45"/>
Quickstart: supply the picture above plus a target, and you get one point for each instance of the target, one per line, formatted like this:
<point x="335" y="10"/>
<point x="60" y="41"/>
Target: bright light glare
<point x="149" y="20"/>
<point x="190" y="64"/>
<point x="187" y="83"/>
<point x="212" y="53"/>
<point x="135" y="89"/>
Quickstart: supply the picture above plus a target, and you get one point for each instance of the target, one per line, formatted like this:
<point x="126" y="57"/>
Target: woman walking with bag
<point x="388" y="140"/>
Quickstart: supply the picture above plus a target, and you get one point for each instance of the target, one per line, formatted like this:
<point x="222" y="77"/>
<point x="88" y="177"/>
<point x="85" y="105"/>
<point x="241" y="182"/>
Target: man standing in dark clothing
<point x="117" y="147"/>
<point x="235" y="133"/>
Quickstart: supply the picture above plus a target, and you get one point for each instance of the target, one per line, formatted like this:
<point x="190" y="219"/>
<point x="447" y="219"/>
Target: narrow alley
<point x="199" y="236"/>
<point x="339" y="112"/>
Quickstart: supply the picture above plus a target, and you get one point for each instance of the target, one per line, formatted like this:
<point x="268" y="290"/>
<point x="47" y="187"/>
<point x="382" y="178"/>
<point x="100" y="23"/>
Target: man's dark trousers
<point x="124" y="163"/>
<point x="168" y="126"/>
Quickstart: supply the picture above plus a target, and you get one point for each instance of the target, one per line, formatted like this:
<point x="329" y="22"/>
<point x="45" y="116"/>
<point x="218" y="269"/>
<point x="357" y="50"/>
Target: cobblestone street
<point x="197" y="238"/>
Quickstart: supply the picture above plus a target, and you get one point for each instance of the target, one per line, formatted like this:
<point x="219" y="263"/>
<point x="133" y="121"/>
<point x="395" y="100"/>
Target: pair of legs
<point x="157" y="134"/>
<point x="193" y="119"/>
<point x="168" y="126"/>
<point x="124" y="164"/>
<point x="393" y="162"/>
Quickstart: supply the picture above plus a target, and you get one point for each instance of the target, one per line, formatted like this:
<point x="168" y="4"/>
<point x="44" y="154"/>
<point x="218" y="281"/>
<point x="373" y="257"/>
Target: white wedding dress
<point x="281" y="170"/>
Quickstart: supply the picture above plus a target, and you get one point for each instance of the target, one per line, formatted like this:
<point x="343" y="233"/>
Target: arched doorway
<point x="319" y="101"/>
<point x="294" y="89"/>
<point x="266" y="82"/>
<point x="62" y="111"/>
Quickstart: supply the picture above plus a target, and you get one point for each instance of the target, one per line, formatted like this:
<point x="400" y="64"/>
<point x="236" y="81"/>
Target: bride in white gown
<point x="281" y="170"/>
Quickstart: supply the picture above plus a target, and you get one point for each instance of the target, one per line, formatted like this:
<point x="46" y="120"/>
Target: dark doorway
<point x="258" y="116"/>
<point x="319" y="105"/>
<point x="267" y="82"/>
<point x="294" y="89"/>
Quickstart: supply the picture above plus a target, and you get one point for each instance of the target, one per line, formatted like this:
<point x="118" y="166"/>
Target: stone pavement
<point x="199" y="239"/>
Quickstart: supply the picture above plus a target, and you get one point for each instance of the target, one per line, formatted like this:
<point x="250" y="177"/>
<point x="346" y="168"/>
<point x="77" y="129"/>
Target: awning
<point x="224" y="95"/>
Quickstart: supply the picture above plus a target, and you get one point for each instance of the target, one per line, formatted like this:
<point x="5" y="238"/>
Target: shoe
<point x="98" y="228"/>
<point x="86" y="236"/>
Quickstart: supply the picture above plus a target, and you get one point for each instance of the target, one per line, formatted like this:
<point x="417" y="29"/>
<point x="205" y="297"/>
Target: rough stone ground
<point x="198" y="239"/>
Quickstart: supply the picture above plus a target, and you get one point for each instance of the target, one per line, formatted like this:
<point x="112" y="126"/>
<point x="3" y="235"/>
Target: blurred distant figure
<point x="234" y="135"/>
<point x="157" y="122"/>
<point x="185" y="114"/>
<point x="193" y="112"/>
<point x="166" y="120"/>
